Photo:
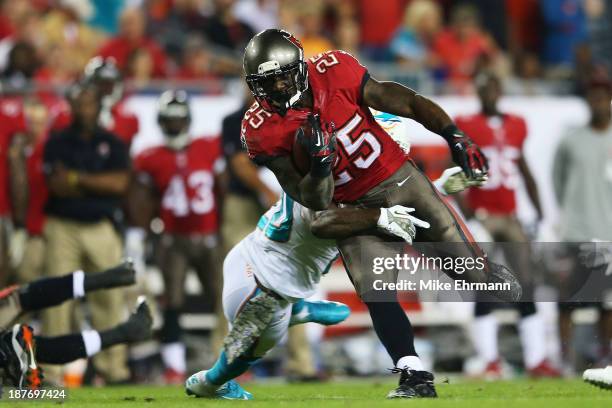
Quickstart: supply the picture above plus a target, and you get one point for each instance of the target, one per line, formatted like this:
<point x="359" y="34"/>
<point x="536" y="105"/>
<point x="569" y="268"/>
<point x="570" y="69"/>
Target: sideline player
<point x="181" y="180"/>
<point x="502" y="136"/>
<point x="366" y="168"/>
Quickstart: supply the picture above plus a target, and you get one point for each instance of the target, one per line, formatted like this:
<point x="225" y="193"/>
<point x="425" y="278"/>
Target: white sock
<point x="412" y="362"/>
<point x="173" y="356"/>
<point x="484" y="337"/>
<point x="93" y="342"/>
<point x="78" y="284"/>
<point x="533" y="339"/>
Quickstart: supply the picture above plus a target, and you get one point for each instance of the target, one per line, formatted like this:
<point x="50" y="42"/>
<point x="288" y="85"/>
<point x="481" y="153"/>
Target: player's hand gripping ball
<point x="314" y="148"/>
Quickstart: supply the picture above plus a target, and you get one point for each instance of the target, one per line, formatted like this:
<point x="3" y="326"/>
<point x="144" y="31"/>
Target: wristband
<point x="450" y="132"/>
<point x="73" y="178"/>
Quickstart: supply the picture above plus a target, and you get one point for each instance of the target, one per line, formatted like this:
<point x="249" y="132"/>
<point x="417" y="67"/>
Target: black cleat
<point x="17" y="358"/>
<point x="123" y="274"/>
<point x="413" y="384"/>
<point x="138" y="327"/>
<point x="501" y="274"/>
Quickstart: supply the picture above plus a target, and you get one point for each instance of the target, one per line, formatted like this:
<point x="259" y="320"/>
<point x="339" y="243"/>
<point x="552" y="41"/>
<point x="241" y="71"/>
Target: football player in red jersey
<point x="502" y="136"/>
<point x="29" y="191"/>
<point x="12" y="128"/>
<point x="183" y="179"/>
<point x="114" y="115"/>
<point x="353" y="161"/>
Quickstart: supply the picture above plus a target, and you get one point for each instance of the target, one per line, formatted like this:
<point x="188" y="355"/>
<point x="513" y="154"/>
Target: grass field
<point x="361" y="393"/>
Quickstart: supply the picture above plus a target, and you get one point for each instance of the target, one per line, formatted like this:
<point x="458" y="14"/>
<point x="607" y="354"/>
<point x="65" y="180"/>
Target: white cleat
<point x="600" y="377"/>
<point x="197" y="385"/>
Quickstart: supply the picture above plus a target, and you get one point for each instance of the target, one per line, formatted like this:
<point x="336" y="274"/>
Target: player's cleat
<point x="173" y="377"/>
<point x="501" y="274"/>
<point x="231" y="390"/>
<point x="413" y="384"/>
<point x="138" y="327"/>
<point x="17" y="357"/>
<point x="600" y="377"/>
<point x="544" y="370"/>
<point x="493" y="371"/>
<point x="322" y="311"/>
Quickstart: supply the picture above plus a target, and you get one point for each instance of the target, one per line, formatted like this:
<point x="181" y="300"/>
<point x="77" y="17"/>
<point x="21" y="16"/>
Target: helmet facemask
<point x="264" y="85"/>
<point x="174" y="120"/>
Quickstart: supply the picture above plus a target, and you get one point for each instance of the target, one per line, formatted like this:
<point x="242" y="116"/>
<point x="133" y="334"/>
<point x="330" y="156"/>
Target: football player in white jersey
<point x="269" y="273"/>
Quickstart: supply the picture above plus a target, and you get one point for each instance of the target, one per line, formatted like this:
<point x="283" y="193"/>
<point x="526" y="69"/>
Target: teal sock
<point x="298" y="306"/>
<point x="222" y="372"/>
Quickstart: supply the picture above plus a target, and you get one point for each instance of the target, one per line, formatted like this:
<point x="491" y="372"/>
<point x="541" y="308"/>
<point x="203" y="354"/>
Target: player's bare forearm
<point x="340" y="223"/>
<point x="400" y="100"/>
<point x="530" y="186"/>
<point x="315" y="193"/>
<point x="247" y="172"/>
<point x="111" y="183"/>
<point x="18" y="180"/>
<point x="141" y="207"/>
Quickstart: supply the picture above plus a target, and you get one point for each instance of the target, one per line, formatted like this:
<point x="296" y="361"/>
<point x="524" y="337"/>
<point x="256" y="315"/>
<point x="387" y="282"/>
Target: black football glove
<point x="321" y="146"/>
<point x="466" y="153"/>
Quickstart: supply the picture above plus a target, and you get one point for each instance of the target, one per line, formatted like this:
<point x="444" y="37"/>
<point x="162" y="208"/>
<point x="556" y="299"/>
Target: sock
<point x="411" y="362"/>
<point x="173" y="356"/>
<point x="92" y="341"/>
<point x="171" y="329"/>
<point x="533" y="339"/>
<point x="392" y="328"/>
<point x="222" y="372"/>
<point x="46" y="292"/>
<point x="484" y="337"/>
<point x="298" y="306"/>
<point x="60" y="349"/>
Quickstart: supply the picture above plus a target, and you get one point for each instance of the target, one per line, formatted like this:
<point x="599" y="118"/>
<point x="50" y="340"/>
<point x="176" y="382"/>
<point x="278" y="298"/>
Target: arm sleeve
<point x="561" y="165"/>
<point x="230" y="136"/>
<point x="119" y="156"/>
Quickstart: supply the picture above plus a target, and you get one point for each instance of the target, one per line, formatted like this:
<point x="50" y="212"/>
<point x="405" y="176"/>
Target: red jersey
<point x="366" y="154"/>
<point x="122" y="123"/>
<point x="185" y="181"/>
<point x="501" y="141"/>
<point x="12" y="122"/>
<point x="37" y="188"/>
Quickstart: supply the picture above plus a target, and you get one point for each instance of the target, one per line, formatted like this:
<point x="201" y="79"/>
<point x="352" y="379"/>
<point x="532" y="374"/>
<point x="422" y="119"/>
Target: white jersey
<point x="286" y="257"/>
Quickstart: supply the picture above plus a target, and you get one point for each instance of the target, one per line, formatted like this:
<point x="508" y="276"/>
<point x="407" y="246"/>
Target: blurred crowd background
<point x="436" y="44"/>
<point x="135" y="49"/>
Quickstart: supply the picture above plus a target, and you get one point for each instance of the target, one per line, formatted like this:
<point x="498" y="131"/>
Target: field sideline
<point x="353" y="393"/>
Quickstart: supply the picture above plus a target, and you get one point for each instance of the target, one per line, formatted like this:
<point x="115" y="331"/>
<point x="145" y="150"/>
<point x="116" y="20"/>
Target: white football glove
<point x="398" y="221"/>
<point x="454" y="180"/>
<point x="17" y="246"/>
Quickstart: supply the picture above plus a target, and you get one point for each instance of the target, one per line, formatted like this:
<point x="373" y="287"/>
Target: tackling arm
<point x="339" y="223"/>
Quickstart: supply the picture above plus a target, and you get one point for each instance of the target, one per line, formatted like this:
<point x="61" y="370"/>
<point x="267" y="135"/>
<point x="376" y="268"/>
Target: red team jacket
<point x="37" y="188"/>
<point x="366" y="154"/>
<point x="185" y="181"/>
<point x="502" y="143"/>
<point x="11" y="123"/>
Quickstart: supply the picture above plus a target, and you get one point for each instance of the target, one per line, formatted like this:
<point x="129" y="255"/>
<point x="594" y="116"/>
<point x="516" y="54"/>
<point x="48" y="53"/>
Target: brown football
<point x="299" y="153"/>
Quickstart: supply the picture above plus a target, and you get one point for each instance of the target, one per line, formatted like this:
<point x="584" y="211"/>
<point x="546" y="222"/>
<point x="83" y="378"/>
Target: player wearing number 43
<point x="269" y="273"/>
<point x="181" y="181"/>
<point x="329" y="95"/>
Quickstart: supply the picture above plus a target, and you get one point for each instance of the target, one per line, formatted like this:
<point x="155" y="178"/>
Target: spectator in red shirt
<point x="131" y="37"/>
<point x="464" y="46"/>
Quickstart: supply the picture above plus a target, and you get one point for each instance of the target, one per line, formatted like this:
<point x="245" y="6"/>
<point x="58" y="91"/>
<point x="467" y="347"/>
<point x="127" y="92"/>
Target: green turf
<point x="362" y="393"/>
